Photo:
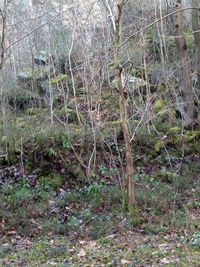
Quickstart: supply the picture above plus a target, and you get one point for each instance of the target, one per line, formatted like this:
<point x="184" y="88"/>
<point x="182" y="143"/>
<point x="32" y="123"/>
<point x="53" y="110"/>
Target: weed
<point x="154" y="229"/>
<point x="195" y="240"/>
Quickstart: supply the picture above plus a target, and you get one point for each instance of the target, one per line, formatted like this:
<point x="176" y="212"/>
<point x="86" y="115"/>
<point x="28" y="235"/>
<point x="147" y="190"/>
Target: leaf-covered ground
<point x="125" y="248"/>
<point x="51" y="217"/>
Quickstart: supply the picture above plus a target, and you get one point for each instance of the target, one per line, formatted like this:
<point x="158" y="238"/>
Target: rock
<point x="166" y="176"/>
<point x="58" y="79"/>
<point x="67" y="114"/>
<point x="43" y="58"/>
<point x="158" y="105"/>
<point x="39" y="73"/>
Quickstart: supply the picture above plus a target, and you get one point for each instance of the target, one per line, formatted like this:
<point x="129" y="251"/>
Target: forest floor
<point x="41" y="226"/>
<point x="51" y="215"/>
<point x="124" y="248"/>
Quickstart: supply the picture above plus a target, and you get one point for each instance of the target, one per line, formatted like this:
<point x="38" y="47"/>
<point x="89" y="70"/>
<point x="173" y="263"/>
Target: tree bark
<point x="196" y="29"/>
<point x="2" y="36"/>
<point x="130" y="170"/>
<point x="185" y="67"/>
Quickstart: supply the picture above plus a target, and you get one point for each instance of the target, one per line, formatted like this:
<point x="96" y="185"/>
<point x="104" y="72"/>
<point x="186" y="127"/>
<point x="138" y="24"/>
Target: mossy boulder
<point x="162" y="87"/>
<point x="58" y="99"/>
<point x="81" y="91"/>
<point x="158" y="105"/>
<point x="174" y="130"/>
<point x="165" y="115"/>
<point x="134" y="82"/>
<point x="191" y="141"/>
<point x="58" y="79"/>
<point x="67" y="114"/>
<point x="38" y="73"/>
<point x="106" y="96"/>
<point x="159" y="145"/>
<point x="192" y="135"/>
<point x="112" y="124"/>
<point x="35" y="79"/>
<point x="77" y="172"/>
<point x="165" y="176"/>
<point x="20" y="120"/>
<point x="52" y="180"/>
<point x="36" y="111"/>
<point x="111" y="128"/>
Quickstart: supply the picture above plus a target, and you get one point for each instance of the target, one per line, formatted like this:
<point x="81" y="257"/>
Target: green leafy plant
<point x="195" y="240"/>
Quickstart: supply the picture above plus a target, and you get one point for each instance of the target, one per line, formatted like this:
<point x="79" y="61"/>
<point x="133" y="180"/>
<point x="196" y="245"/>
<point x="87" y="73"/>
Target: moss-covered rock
<point x="174" y="130"/>
<point x="112" y="123"/>
<point x="20" y="121"/>
<point x="165" y="176"/>
<point x="81" y="91"/>
<point x="36" y="111"/>
<point x="158" y="105"/>
<point x="52" y="180"/>
<point x="106" y="96"/>
<point x="37" y="73"/>
<point x="158" y="146"/>
<point x="58" y="79"/>
<point x="67" y="114"/>
<point x="192" y="135"/>
<point x="162" y="87"/>
<point x="58" y="99"/>
<point x="165" y="115"/>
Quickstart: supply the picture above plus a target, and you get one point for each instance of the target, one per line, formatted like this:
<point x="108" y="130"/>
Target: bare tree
<point x="185" y="66"/>
<point x="130" y="170"/>
<point x="196" y="30"/>
<point x="3" y="22"/>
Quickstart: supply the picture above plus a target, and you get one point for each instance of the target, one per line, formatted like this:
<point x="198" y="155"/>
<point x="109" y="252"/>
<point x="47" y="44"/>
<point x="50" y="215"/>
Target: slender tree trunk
<point x="196" y="29"/>
<point x="185" y="66"/>
<point x="130" y="170"/>
<point x="2" y="37"/>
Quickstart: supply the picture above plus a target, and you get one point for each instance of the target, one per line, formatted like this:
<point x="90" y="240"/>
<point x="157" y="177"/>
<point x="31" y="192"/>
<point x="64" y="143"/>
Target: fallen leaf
<point x="52" y="263"/>
<point x="92" y="243"/>
<point x="82" y="253"/>
<point x="82" y="242"/>
<point x="125" y="262"/>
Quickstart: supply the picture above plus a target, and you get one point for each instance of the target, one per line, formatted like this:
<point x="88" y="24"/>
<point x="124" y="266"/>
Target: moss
<point x="165" y="176"/>
<point x="39" y="72"/>
<point x="21" y="121"/>
<point x="68" y="114"/>
<point x="112" y="123"/>
<point x="190" y="41"/>
<point x="112" y="64"/>
<point x="58" y="79"/>
<point x="81" y="91"/>
<point x="165" y="115"/>
<point x="137" y="82"/>
<point x="53" y="180"/>
<point x="36" y="111"/>
<point x="77" y="172"/>
<point x="158" y="105"/>
<point x="192" y="205"/>
<point x="114" y="83"/>
<point x="192" y="135"/>
<point x="174" y="130"/>
<point x="162" y="87"/>
<point x="158" y="146"/>
<point x="58" y="99"/>
<point x="106" y="96"/>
